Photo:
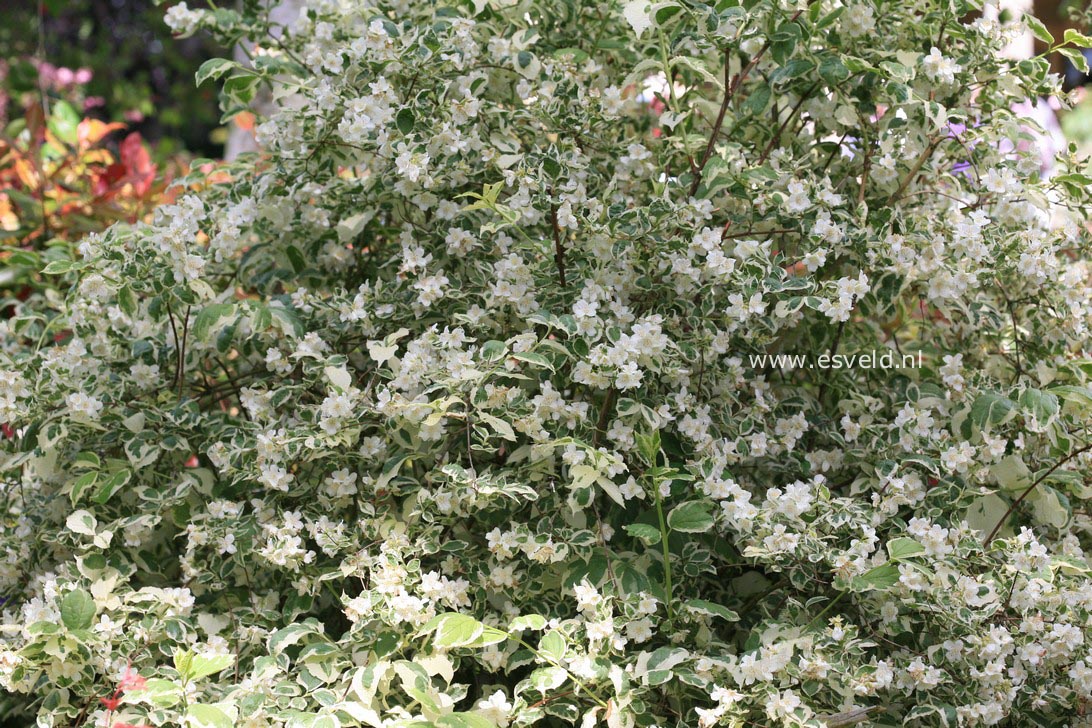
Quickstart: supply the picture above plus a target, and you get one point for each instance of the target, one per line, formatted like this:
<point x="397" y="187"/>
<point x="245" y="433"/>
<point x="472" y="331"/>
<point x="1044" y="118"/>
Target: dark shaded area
<point x="139" y="73"/>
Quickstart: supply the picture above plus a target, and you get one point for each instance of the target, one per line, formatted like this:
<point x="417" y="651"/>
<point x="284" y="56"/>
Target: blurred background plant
<point x="114" y="60"/>
<point x="98" y="114"/>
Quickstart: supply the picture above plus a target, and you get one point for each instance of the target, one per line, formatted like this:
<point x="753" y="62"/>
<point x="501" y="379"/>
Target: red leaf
<point x="140" y="169"/>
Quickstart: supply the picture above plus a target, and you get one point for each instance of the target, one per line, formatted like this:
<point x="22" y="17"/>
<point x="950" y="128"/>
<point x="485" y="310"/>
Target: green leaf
<point x="537" y="360"/>
<point x="463" y="720"/>
<point x="1077" y="38"/>
<point x="57" y="267"/>
<point x="758" y="100"/>
<point x="295" y="257"/>
<point x="546" y="679"/>
<point x="77" y="609"/>
<point x="1049" y="507"/>
<point x="161" y="693"/>
<point x="82" y="522"/>
<point x="205" y="665"/>
<point x="795" y="68"/>
<point x="712" y="609"/>
<point x="290" y="635"/>
<point x="880" y="578"/>
<point x="1079" y="396"/>
<point x="1042" y="405"/>
<point x="991" y="409"/>
<point x="214" y="68"/>
<point x="527" y="621"/>
<point x="1038" y="29"/>
<point x="404" y="120"/>
<point x="1076" y="57"/>
<point x="87" y="460"/>
<point x="648" y="445"/>
<point x="1011" y="473"/>
<point x="209" y="716"/>
<point x="490" y="636"/>
<point x="112" y="485"/>
<point x="904" y="548"/>
<point x="81" y="484"/>
<point x="499" y="426"/>
<point x="552" y="646"/>
<point x="985" y="512"/>
<point x="649" y="535"/>
<point x="210" y="318"/>
<point x="493" y="350"/>
<point x="690" y="517"/>
<point x="832" y="70"/>
<point x="64" y="122"/>
<point x="182" y="661"/>
<point x="454" y="630"/>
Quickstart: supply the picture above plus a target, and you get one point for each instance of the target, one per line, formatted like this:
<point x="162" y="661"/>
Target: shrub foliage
<point x="452" y="409"/>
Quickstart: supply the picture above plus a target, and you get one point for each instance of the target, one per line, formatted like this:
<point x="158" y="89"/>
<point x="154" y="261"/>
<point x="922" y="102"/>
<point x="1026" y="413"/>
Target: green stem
<point x="664" y="533"/>
<point x="826" y="609"/>
<point x="665" y="59"/>
<point x="572" y="677"/>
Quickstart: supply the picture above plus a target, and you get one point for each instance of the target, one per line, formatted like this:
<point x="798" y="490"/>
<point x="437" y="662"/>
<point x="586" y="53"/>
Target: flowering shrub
<point x="444" y="414"/>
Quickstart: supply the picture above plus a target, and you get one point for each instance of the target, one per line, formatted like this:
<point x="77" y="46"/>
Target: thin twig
<point x="604" y="415"/>
<point x="925" y="154"/>
<point x="177" y="343"/>
<point x="781" y="129"/>
<point x="182" y="352"/>
<point x="730" y="90"/>
<point x="559" y="249"/>
<point x="1030" y="488"/>
<point x="730" y="86"/>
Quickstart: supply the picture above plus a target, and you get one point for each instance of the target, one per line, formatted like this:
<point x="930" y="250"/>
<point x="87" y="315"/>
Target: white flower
<point x="939" y="68"/>
<point x="495" y="708"/>
<point x="182" y="20"/>
<point x="83" y="406"/>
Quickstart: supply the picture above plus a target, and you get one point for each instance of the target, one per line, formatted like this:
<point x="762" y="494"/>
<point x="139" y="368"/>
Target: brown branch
<point x="864" y="172"/>
<point x="748" y="233"/>
<point x="925" y="154"/>
<point x="559" y="249"/>
<point x="177" y="343"/>
<point x="731" y="87"/>
<point x="604" y="415"/>
<point x="781" y="129"/>
<point x="549" y="699"/>
<point x="182" y="352"/>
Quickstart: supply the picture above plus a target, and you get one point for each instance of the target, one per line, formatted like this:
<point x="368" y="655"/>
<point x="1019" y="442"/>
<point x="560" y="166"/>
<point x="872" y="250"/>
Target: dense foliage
<point x="452" y="410"/>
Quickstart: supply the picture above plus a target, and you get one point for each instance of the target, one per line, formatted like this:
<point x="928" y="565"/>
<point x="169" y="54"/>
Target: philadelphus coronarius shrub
<point x="457" y="407"/>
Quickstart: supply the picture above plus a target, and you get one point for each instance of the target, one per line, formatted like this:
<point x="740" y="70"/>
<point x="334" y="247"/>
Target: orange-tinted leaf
<point x="91" y="132"/>
<point x="244" y="120"/>
<point x="26" y="173"/>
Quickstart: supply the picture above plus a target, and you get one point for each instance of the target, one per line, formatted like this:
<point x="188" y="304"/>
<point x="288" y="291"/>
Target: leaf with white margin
<point x="638" y="13"/>
<point x="82" y="522"/>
